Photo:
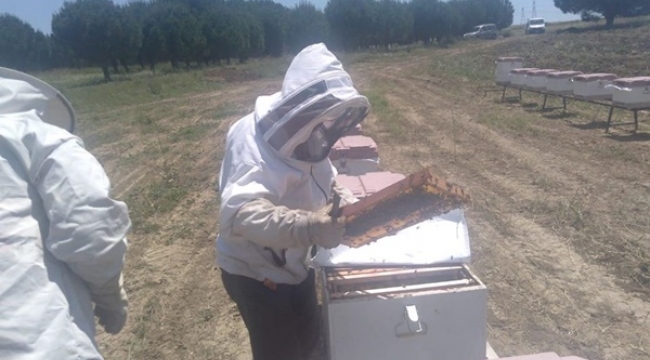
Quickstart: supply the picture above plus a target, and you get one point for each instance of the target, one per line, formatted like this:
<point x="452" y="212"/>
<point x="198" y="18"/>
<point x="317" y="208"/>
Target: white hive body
<point x="560" y="82"/>
<point x="432" y="313"/>
<point x="632" y="93"/>
<point x="503" y="67"/>
<point x="536" y="79"/>
<point x="518" y="77"/>
<point x="593" y="86"/>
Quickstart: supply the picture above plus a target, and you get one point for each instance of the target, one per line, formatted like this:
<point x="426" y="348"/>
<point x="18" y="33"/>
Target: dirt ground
<point x="559" y="222"/>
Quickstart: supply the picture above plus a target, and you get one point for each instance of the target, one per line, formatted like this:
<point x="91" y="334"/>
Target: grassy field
<point x="560" y="222"/>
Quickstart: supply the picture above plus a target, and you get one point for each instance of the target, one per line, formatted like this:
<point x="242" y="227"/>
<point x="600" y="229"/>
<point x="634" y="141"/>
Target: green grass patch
<point x="192" y="132"/>
<point x="159" y="197"/>
<point x="516" y="122"/>
<point x="389" y="119"/>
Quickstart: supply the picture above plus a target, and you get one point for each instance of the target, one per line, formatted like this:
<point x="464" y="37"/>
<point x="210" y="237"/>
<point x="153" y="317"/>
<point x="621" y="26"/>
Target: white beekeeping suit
<point x="276" y="172"/>
<point x="62" y="238"/>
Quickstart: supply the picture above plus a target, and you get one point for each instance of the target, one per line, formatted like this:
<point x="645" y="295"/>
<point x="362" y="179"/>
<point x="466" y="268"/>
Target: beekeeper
<point x="276" y="183"/>
<point x="62" y="238"/>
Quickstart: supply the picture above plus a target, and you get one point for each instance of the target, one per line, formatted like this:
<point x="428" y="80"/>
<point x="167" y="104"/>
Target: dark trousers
<point x="283" y="324"/>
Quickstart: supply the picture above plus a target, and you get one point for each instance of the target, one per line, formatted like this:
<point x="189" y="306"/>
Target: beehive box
<point x="593" y="86"/>
<point x="418" y="313"/>
<point x="518" y="76"/>
<point x="632" y="93"/>
<point x="536" y="79"/>
<point x="560" y="82"/>
<point x="503" y="67"/>
<point x="355" y="155"/>
<point x="368" y="184"/>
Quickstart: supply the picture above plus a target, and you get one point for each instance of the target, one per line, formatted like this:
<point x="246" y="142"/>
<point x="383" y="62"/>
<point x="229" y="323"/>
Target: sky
<point x="39" y="12"/>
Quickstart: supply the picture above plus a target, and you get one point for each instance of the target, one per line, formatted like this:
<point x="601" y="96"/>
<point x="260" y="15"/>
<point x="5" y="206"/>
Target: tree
<point x="501" y="13"/>
<point x="273" y="17"/>
<point x="22" y="47"/>
<point x="180" y="30"/>
<point x="609" y="9"/>
<point x="231" y="33"/>
<point x="393" y="23"/>
<point x="307" y="25"/>
<point x="352" y="23"/>
<point x="126" y="41"/>
<point x="87" y="27"/>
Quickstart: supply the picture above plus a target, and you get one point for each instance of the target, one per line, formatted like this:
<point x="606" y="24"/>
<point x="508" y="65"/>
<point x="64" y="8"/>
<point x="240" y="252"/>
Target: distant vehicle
<point x="535" y="26"/>
<point x="485" y="31"/>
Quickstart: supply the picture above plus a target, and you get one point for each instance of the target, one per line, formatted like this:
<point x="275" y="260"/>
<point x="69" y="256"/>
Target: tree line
<point x="190" y="32"/>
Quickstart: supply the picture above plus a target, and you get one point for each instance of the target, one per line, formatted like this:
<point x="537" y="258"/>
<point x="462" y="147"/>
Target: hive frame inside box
<point x="369" y="209"/>
<point x="432" y="312"/>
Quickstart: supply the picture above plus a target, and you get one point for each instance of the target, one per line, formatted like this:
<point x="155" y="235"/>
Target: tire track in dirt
<point x="541" y="287"/>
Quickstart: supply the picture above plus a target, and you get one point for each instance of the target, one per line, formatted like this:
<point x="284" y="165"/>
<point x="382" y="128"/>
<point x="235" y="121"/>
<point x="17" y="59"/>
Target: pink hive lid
<point x="354" y="147"/>
<point x="375" y="181"/>
<point x="594" y="77"/>
<point x="563" y="74"/>
<point x="510" y="59"/>
<point x="541" y="72"/>
<point x="633" y="81"/>
<point x="352" y="183"/>
<point x="522" y="70"/>
<point x="370" y="183"/>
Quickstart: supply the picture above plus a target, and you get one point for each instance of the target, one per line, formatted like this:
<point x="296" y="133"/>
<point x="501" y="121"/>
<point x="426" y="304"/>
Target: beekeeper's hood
<point x="317" y="106"/>
<point x="20" y="93"/>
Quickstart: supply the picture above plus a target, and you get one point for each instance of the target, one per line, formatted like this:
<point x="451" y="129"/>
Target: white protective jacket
<point x="252" y="169"/>
<point x="62" y="238"/>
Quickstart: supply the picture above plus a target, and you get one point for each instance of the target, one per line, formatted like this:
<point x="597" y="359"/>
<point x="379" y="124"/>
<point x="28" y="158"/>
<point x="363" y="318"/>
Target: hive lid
<point x="510" y="59"/>
<point x="541" y="72"/>
<point x="633" y="81"/>
<point x="376" y="181"/>
<point x="522" y="70"/>
<point x="438" y="240"/>
<point x="594" y="77"/>
<point x="354" y="147"/>
<point x="352" y="183"/>
<point x="564" y="74"/>
<point x="368" y="184"/>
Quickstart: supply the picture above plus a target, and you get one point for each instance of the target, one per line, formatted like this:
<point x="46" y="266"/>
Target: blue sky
<point x="39" y="12"/>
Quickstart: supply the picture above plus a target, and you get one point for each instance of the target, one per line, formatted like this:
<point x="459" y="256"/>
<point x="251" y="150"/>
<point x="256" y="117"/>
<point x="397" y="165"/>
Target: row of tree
<point x="183" y="32"/>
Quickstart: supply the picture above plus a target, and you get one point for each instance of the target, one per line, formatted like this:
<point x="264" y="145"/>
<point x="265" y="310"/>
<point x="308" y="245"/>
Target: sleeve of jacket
<point x="87" y="227"/>
<point x="274" y="226"/>
<point x="347" y="198"/>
